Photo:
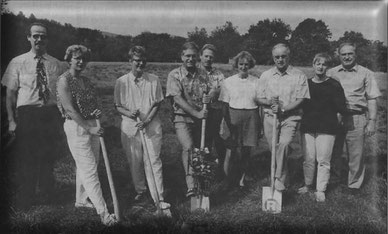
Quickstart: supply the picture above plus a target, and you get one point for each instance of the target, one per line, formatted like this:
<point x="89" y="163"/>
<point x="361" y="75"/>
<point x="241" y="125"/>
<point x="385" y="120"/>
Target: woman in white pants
<point x="78" y="104"/>
<point x="320" y="124"/>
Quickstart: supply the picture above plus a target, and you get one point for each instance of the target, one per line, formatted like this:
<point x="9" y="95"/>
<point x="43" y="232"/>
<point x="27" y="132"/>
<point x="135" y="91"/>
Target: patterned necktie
<point x="44" y="92"/>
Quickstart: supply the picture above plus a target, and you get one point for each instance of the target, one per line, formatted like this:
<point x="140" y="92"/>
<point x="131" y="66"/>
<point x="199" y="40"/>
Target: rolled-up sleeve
<point x="174" y="87"/>
<point x="302" y="90"/>
<point x="158" y="91"/>
<point x="371" y="87"/>
<point x="224" y="94"/>
<point x="261" y="91"/>
<point x="11" y="76"/>
<point x="117" y="93"/>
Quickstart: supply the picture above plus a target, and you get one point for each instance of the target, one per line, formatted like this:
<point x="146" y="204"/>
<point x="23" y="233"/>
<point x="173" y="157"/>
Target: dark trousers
<point x="38" y="136"/>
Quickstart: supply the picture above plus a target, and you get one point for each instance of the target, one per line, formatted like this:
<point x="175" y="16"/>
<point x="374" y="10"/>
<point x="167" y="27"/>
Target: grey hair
<point x="281" y="45"/>
<point x="346" y="44"/>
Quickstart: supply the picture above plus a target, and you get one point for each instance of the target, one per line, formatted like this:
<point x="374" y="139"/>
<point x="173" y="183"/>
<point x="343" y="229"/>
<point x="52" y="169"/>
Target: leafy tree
<point x="161" y="47"/>
<point x="199" y="36"/>
<point x="227" y="40"/>
<point x="262" y="36"/>
<point x="309" y="38"/>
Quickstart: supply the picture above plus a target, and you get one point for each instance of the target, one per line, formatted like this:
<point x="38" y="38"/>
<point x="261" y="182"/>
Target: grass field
<point x="231" y="212"/>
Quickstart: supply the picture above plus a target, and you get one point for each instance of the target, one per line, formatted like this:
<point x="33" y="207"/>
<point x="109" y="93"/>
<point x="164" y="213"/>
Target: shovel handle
<point x="203" y="130"/>
<point x="145" y="149"/>
<point x="273" y="152"/>
<point x="109" y="173"/>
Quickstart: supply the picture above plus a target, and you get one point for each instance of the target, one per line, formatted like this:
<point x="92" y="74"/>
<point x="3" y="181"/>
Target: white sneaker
<point x="87" y="204"/>
<point x="108" y="219"/>
<point x="164" y="205"/>
<point x="304" y="189"/>
<point x="320" y="196"/>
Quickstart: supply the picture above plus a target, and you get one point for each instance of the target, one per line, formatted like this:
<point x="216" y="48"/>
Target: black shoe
<point x="352" y="191"/>
<point x="141" y="197"/>
<point x="190" y="193"/>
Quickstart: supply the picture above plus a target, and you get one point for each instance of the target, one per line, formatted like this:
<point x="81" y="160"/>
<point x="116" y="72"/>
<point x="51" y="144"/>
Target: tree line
<point x="308" y="38"/>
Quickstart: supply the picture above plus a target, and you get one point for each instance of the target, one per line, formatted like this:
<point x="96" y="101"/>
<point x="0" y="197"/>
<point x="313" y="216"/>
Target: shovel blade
<point x="200" y="202"/>
<point x="271" y="204"/>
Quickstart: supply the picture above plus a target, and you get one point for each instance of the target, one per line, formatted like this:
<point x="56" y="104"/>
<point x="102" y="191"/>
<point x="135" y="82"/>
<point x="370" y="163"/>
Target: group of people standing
<point x="334" y="108"/>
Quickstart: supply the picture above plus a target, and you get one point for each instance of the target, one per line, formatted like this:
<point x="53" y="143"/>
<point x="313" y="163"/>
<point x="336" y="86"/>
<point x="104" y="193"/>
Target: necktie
<point x="44" y="92"/>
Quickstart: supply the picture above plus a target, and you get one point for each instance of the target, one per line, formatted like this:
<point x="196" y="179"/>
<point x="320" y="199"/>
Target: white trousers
<point x="138" y="163"/>
<point x="318" y="148"/>
<point x="85" y="149"/>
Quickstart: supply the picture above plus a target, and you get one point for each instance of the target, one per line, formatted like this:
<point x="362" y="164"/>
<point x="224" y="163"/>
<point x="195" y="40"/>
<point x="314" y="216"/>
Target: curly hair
<point x="74" y="49"/>
<point x="137" y="51"/>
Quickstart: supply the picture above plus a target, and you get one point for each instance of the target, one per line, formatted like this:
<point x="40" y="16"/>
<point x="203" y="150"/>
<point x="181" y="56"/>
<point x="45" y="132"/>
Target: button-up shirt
<point x="289" y="86"/>
<point x="240" y="93"/>
<point x="21" y="76"/>
<point x="190" y="87"/>
<point x="141" y="94"/>
<point x="359" y="85"/>
<point x="216" y="78"/>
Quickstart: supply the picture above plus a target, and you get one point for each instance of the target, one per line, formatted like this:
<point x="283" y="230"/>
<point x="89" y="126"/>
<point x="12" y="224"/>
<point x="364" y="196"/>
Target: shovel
<point x="160" y="207"/>
<point x="109" y="173"/>
<point x="272" y="199"/>
<point x="201" y="201"/>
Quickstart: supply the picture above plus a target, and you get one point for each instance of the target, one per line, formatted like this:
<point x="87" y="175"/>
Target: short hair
<point x="190" y="45"/>
<point x="73" y="49"/>
<point x="208" y="47"/>
<point x="137" y="51"/>
<point x="346" y="44"/>
<point x="28" y="31"/>
<point x="279" y="45"/>
<point x="244" y="55"/>
<point x="325" y="56"/>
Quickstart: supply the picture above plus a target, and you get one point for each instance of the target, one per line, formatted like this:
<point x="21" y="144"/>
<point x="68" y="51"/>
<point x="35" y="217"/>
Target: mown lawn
<point x="231" y="211"/>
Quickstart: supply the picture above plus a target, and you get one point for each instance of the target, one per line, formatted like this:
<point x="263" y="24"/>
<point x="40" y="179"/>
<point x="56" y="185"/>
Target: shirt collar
<point x="186" y="73"/>
<point x="276" y="71"/>
<point x="133" y="78"/>
<point x="34" y="56"/>
<point x="354" y="68"/>
<point x="212" y="71"/>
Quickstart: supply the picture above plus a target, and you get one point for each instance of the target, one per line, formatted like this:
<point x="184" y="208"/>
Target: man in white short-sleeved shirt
<point x="33" y="117"/>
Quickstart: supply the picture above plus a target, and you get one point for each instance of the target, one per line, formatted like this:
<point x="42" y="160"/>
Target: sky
<point x="179" y="17"/>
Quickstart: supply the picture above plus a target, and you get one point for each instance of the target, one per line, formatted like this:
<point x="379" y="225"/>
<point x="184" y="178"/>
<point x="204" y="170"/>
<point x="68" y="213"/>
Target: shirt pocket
<point x="28" y="80"/>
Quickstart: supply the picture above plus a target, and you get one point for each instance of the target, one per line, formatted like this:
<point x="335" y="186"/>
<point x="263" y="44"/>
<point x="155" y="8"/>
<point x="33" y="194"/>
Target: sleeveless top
<point x="84" y="100"/>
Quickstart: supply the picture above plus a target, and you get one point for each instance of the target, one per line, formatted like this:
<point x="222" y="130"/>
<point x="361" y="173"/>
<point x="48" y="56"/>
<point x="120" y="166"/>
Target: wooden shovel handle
<point x="203" y="130"/>
<point x="145" y="149"/>
<point x="273" y="152"/>
<point x="109" y="173"/>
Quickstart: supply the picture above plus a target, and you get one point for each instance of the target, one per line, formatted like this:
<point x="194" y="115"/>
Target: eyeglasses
<point x="280" y="56"/>
<point x="41" y="36"/>
<point x="139" y="60"/>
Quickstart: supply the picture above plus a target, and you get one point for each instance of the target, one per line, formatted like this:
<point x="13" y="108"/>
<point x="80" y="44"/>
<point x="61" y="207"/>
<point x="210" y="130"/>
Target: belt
<point x="355" y="112"/>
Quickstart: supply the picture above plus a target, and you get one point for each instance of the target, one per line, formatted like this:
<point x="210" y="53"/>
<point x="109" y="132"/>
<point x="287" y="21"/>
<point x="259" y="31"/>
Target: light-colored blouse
<point x="240" y="93"/>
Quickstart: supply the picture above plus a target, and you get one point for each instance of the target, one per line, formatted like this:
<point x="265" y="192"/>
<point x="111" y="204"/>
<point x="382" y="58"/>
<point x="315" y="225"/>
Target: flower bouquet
<point x="204" y="167"/>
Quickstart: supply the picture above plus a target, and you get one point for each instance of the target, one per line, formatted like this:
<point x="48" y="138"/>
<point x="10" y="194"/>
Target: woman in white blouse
<point x="241" y="114"/>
